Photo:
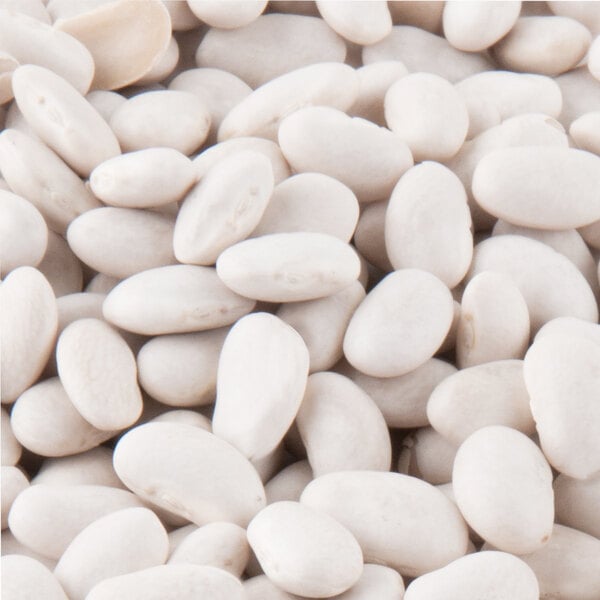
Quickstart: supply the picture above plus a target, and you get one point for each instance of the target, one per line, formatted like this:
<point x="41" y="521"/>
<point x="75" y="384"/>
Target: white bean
<point x="159" y="462"/>
<point x="341" y="427"/>
<point x="124" y="39"/>
<point x="289" y="267"/>
<point x="224" y="208"/>
<point x="46" y="422"/>
<point x="256" y="55"/>
<point x="184" y="582"/>
<point x="93" y="556"/>
<point x="476" y="576"/>
<point x="28" y="325"/>
<point x="562" y="381"/>
<point x="63" y="118"/>
<point x="327" y="84"/>
<point x="254" y="418"/>
<point x="23" y="233"/>
<point x="99" y="374"/>
<point x="47" y="517"/>
<point x="24" y="577"/>
<point x="292" y="543"/>
<point x="174" y="299"/>
<point x="398" y="520"/>
<point x="475" y="26"/>
<point x="503" y="487"/>
<point x="143" y="179"/>
<point x="386" y="336"/>
<point x="428" y="224"/>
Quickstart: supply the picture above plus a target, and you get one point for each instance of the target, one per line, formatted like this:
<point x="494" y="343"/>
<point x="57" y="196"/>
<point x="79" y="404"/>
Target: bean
<point x="501" y="469"/>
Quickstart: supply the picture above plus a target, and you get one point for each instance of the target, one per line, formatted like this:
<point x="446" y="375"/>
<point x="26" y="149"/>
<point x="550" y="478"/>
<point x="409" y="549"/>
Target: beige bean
<point x="209" y="157"/>
<point x="24" y="577"/>
<point x="324" y="84"/>
<point x="289" y="267"/>
<point x="143" y="179"/>
<point x="31" y="41"/>
<point x="184" y="582"/>
<point x="293" y="541"/>
<point x="310" y="202"/>
<point x="341" y="427"/>
<point x="256" y="56"/>
<point x="61" y="267"/>
<point x="93" y="556"/>
<point x="45" y="421"/>
<point x="428" y="224"/>
<point x="385" y="337"/>
<point x="541" y="274"/>
<point x="167" y="118"/>
<point x="11" y="449"/>
<point x="159" y="462"/>
<point x="93" y="467"/>
<point x="46" y="518"/>
<point x="254" y="418"/>
<point x="7" y="66"/>
<point x="493" y="393"/>
<point x="99" y="374"/>
<point x="562" y="381"/>
<point x="221" y="545"/>
<point x="475" y="26"/>
<point x="121" y="242"/>
<point x="503" y="487"/>
<point x="28" y="326"/>
<point x="362" y="23"/>
<point x="224" y="208"/>
<point x="181" y="369"/>
<point x="475" y="576"/>
<point x="403" y="399"/>
<point x="174" y="299"/>
<point x="398" y="520"/>
<point x="23" y="233"/>
<point x="13" y="483"/>
<point x="545" y="45"/>
<point x="494" y="321"/>
<point x="424" y="52"/>
<point x="35" y="172"/>
<point x="366" y="158"/>
<point x="124" y="38"/>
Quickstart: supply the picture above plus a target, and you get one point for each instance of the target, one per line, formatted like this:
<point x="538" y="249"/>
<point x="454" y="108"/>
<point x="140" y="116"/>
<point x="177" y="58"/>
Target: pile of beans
<point x="300" y="300"/>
